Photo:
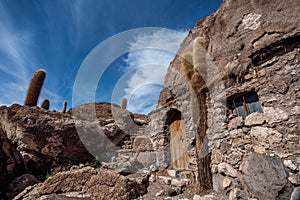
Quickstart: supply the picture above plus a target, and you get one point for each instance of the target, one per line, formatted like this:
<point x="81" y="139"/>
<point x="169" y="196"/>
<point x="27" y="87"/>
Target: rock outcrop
<point x="232" y="127"/>
<point x="87" y="183"/>
<point x="248" y="100"/>
<point x="34" y="140"/>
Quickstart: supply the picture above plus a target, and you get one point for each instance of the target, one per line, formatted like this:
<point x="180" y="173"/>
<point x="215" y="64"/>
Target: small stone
<point x="236" y="123"/>
<point x="217" y="181"/>
<point x="152" y="178"/>
<point x="275" y="115"/>
<point x="246" y="130"/>
<point x="171" y="192"/>
<point x="294" y="178"/>
<point x="160" y="193"/>
<point x="178" y="183"/>
<point x="143" y="144"/>
<point x="226" y="182"/>
<point x="259" y="149"/>
<point x="248" y="76"/>
<point x="289" y="164"/>
<point x="227" y="169"/>
<point x="197" y="197"/>
<point x="260" y="133"/>
<point x="264" y="134"/>
<point x="173" y="173"/>
<point x="254" y="119"/>
<point x="251" y="21"/>
<point x="81" y="165"/>
<point x="238" y="194"/>
<point x="153" y="168"/>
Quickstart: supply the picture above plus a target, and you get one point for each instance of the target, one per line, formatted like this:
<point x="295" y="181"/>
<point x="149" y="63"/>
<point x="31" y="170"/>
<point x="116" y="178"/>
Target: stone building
<point x="227" y="118"/>
<point x="236" y="129"/>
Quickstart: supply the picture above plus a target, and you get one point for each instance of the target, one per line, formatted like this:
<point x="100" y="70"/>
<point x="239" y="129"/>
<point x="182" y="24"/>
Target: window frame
<point x="233" y="104"/>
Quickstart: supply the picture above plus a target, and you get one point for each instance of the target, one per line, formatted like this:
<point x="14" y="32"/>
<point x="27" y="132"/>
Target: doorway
<point x="178" y="145"/>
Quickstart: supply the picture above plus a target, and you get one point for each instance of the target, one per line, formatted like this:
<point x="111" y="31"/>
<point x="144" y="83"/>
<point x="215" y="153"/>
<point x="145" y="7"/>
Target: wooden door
<point x="179" y="157"/>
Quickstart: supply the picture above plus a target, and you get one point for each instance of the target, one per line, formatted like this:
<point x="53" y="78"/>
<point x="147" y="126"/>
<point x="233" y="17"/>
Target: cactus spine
<point x="35" y="87"/>
<point x="64" y="107"/>
<point x="45" y="104"/>
<point x="199" y="57"/>
<point x="124" y="103"/>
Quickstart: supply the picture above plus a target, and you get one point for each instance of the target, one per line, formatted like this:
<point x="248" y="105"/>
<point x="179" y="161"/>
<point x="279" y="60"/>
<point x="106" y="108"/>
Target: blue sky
<point x="58" y="35"/>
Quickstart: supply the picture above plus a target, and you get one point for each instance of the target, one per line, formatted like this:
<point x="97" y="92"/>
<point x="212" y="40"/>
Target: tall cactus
<point x="35" y="87"/>
<point x="199" y="57"/>
<point x="187" y="65"/>
<point x="45" y="104"/>
<point x="64" y="107"/>
<point x="190" y="72"/>
<point x="124" y="103"/>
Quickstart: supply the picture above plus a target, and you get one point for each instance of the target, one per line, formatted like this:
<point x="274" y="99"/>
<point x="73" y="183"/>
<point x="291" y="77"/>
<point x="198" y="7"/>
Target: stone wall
<point x="259" y="156"/>
<point x="252" y="47"/>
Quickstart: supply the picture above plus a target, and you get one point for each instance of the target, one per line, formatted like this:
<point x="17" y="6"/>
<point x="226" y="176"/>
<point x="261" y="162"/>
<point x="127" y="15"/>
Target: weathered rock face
<point x="42" y="137"/>
<point x="20" y="183"/>
<point x="252" y="59"/>
<point x="265" y="176"/>
<point x="11" y="164"/>
<point x="239" y="123"/>
<point x="87" y="183"/>
<point x="35" y="140"/>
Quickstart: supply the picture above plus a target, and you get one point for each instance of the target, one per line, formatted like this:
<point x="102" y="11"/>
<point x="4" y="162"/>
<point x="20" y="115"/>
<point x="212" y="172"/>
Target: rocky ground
<point x="254" y="47"/>
<point x="42" y="157"/>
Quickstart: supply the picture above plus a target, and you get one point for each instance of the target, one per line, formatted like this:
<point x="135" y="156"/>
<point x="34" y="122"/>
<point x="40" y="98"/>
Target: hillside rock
<point x="87" y="183"/>
<point x="265" y="176"/>
<point x="35" y="140"/>
<point x="251" y="51"/>
<point x="11" y="164"/>
<point x="20" y="183"/>
<point x="43" y="138"/>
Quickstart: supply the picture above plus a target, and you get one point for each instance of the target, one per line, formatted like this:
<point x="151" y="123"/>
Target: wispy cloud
<point x="15" y="61"/>
<point x="149" y="66"/>
<point x="18" y="59"/>
<point x="13" y="45"/>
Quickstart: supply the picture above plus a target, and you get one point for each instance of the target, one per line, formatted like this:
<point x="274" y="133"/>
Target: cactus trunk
<point x="64" y="107"/>
<point x="46" y="104"/>
<point x="124" y="103"/>
<point x="35" y="87"/>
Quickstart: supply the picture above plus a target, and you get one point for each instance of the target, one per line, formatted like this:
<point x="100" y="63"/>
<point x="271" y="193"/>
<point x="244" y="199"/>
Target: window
<point x="245" y="104"/>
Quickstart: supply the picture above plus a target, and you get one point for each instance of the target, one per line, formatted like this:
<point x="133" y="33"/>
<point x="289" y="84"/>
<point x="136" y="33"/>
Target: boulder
<point x="20" y="183"/>
<point x="42" y="137"/>
<point x="254" y="119"/>
<point x="90" y="183"/>
<point x="264" y="176"/>
<point x="11" y="162"/>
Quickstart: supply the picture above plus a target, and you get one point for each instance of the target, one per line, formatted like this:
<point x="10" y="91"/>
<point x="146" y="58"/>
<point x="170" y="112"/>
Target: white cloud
<point x="149" y="66"/>
<point x="14" y="59"/>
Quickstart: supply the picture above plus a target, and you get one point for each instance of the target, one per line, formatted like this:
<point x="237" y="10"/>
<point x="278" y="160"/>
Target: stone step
<point x="182" y="174"/>
<point x="127" y="142"/>
<point x="174" y="182"/>
<point x="127" y="147"/>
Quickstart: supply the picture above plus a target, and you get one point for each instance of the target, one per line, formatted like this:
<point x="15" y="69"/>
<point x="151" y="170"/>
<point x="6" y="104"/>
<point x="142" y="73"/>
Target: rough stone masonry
<point x="236" y="133"/>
